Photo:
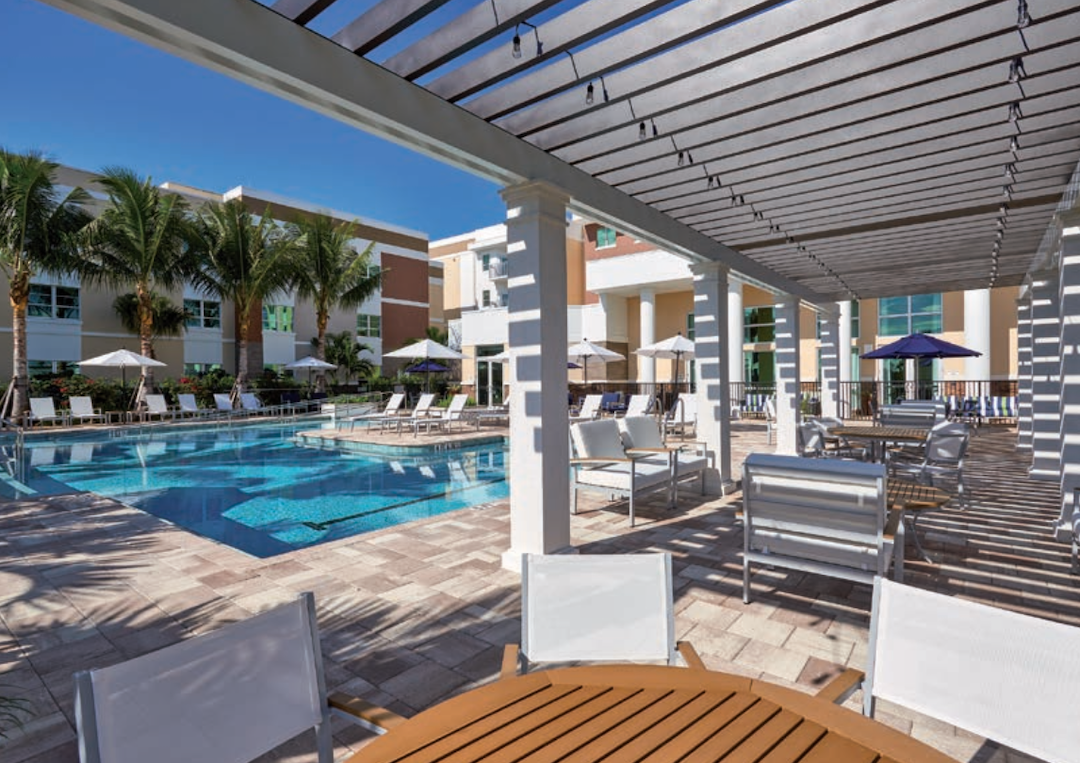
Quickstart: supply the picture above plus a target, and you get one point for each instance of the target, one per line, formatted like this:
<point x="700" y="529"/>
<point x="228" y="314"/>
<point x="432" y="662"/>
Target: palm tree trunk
<point x="242" y="350"/>
<point x="20" y="296"/>
<point x="321" y="319"/>
<point x="146" y="333"/>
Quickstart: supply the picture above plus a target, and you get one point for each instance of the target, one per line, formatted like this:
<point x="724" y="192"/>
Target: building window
<point x="373" y="269"/>
<point x="855" y="318"/>
<point x="759" y="325"/>
<point x="197" y="369"/>
<point x="486" y="259"/>
<point x="689" y="325"/>
<point x="898" y="316"/>
<point x="817" y="326"/>
<point x="47" y="301"/>
<point x="487" y="298"/>
<point x="368" y="325"/>
<point x="48" y="367"/>
<point x="202" y="314"/>
<point x="278" y="318"/>
<point x="605" y="238"/>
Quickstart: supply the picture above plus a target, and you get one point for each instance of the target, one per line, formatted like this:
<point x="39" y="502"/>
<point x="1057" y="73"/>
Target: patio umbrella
<point x="310" y="362"/>
<point x="426" y="350"/>
<point x="585" y="352"/>
<point x="677" y="348"/>
<point x="427" y="367"/>
<point x="504" y="357"/>
<point x="122" y="359"/>
<point x="918" y="346"/>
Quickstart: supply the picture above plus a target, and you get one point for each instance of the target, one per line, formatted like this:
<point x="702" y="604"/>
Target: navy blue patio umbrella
<point x="427" y="367"/>
<point x="917" y="347"/>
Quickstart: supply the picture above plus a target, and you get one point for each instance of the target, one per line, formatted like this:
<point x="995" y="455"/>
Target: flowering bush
<point x="105" y="394"/>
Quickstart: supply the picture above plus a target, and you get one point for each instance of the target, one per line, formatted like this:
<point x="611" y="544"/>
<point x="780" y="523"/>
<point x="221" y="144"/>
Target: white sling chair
<point x="1009" y="677"/>
<point x="225" y="697"/>
<point x="597" y="607"/>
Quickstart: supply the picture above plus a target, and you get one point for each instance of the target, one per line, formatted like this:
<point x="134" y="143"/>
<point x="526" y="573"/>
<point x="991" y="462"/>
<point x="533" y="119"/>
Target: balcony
<point x="497" y="271"/>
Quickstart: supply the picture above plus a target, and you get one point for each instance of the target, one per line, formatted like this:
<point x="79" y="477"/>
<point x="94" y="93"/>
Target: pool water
<point x="255" y="488"/>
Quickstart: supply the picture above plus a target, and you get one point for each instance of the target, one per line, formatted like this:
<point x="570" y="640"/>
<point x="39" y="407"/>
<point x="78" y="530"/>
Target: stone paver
<point x="413" y="614"/>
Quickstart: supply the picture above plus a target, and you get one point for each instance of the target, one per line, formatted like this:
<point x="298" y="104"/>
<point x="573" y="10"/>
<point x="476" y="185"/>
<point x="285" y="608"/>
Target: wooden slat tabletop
<point x="641" y="714"/>
<point x="912" y="495"/>
<point x="915" y="434"/>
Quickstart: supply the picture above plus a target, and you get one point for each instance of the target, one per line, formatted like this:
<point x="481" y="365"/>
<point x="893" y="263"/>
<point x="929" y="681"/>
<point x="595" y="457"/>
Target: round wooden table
<point x="636" y="713"/>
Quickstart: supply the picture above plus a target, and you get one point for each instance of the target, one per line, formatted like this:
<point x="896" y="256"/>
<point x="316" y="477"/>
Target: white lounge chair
<point x="222" y="402"/>
<point x="233" y="694"/>
<point x="188" y="405"/>
<point x="641" y="435"/>
<point x="601" y="464"/>
<point x="1009" y="677"/>
<point x="43" y="411"/>
<point x="392" y="409"/>
<point x="597" y="607"/>
<point x="82" y="409"/>
<point x="250" y="404"/>
<point x="639" y="405"/>
<point x="682" y="418"/>
<point x="445" y="418"/>
<point x="156" y="406"/>
<point x="420" y="412"/>
<point x="590" y="408"/>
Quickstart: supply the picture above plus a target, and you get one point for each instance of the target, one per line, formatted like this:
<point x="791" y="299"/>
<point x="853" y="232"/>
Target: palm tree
<point x="168" y="319"/>
<point x="143" y="239"/>
<point x="38" y="228"/>
<point x="343" y="350"/>
<point x="245" y="259"/>
<point x="333" y="273"/>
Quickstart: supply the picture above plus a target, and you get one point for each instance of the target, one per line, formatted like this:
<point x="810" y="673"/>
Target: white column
<point x="1069" y="432"/>
<point x="736" y="330"/>
<point x="843" y="360"/>
<point x="647" y="322"/>
<point x="977" y="335"/>
<point x="539" y="434"/>
<point x="831" y="351"/>
<point x="713" y="387"/>
<point x="1045" y="377"/>
<point x="787" y="373"/>
<point x="1023" y="373"/>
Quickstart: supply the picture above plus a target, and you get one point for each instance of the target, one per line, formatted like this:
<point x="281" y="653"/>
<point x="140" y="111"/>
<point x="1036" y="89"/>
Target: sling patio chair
<point x="230" y="695"/>
<point x="639" y="405"/>
<point x="420" y="412"/>
<point x="682" y="418"/>
<point x="597" y="608"/>
<point x="188" y="405"/>
<point x="392" y="410"/>
<point x="251" y="404"/>
<point x="82" y="409"/>
<point x="589" y="410"/>
<point x="156" y="406"/>
<point x="43" y="411"/>
<point x="1009" y="677"/>
<point x="445" y="418"/>
<point x="223" y="403"/>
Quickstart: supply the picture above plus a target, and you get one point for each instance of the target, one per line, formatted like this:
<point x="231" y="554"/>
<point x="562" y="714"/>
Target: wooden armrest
<point x="364" y="713"/>
<point x="842" y="687"/>
<point x="690" y="655"/>
<point x="510" y="661"/>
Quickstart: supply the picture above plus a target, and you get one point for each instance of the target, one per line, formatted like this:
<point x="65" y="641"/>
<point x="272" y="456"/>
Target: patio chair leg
<point x="746" y="581"/>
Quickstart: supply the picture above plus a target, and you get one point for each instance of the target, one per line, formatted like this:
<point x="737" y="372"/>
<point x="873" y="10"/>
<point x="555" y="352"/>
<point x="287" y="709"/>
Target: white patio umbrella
<point x="585" y="352"/>
<point x="311" y="363"/>
<point x="426" y="349"/>
<point x="122" y="359"/>
<point x="677" y="348"/>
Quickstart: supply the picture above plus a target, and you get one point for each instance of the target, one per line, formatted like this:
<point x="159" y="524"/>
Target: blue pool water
<point x="255" y="488"/>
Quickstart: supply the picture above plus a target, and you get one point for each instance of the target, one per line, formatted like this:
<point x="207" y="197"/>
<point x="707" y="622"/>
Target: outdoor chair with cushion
<point x="230" y="695"/>
<point x="822" y="516"/>
<point x="611" y="403"/>
<point x="1012" y="678"/>
<point x="82" y="409"/>
<point x="602" y="465"/>
<point x="43" y="411"/>
<point x="597" y="608"/>
<point x="641" y="436"/>
<point x="156" y="406"/>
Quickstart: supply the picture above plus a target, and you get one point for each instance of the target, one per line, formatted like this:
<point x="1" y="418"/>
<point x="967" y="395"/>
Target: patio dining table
<point x="879" y="436"/>
<point x="638" y="713"/>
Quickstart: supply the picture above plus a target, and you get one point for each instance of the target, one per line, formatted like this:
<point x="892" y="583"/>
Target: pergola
<point x="824" y="150"/>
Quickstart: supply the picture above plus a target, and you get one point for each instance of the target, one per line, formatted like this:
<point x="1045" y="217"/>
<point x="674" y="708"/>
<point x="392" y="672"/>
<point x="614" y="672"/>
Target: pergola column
<point x="713" y="388"/>
<point x="539" y="433"/>
<point x="977" y="337"/>
<point x="736" y="329"/>
<point x="1046" y="377"/>
<point x="843" y="358"/>
<point x="788" y="392"/>
<point x="647" y="325"/>
<point x="1069" y="432"/>
<point x="1023" y="373"/>
<point x="831" y="349"/>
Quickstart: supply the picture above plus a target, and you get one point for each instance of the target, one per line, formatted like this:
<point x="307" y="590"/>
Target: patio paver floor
<point x="414" y="614"/>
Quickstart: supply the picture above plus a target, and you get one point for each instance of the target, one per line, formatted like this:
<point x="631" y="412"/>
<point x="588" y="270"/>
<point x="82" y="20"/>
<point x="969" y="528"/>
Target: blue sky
<point x="91" y="98"/>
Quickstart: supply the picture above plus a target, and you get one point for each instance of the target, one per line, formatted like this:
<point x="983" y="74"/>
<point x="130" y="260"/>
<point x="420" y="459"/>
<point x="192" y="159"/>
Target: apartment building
<point x="624" y="293"/>
<point x="67" y="321"/>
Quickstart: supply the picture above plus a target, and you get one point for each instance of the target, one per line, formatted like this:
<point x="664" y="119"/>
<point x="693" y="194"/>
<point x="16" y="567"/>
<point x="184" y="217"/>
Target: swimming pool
<point x="255" y="488"/>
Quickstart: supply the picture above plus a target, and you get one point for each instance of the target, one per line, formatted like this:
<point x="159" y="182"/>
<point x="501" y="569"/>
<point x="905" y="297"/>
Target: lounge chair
<point x="446" y="418"/>
<point x="189" y="405"/>
<point x="641" y="436"/>
<point x="420" y="412"/>
<point x="233" y="694"/>
<point x="639" y="405"/>
<point x="1009" y="677"/>
<point x="589" y="410"/>
<point x="222" y="402"/>
<point x="156" y="406"/>
<point x="682" y="418"/>
<point x="43" y="411"/>
<point x="250" y="404"/>
<point x="82" y="409"/>
<point x="597" y="607"/>
<point x="602" y="464"/>
<point x="392" y="409"/>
